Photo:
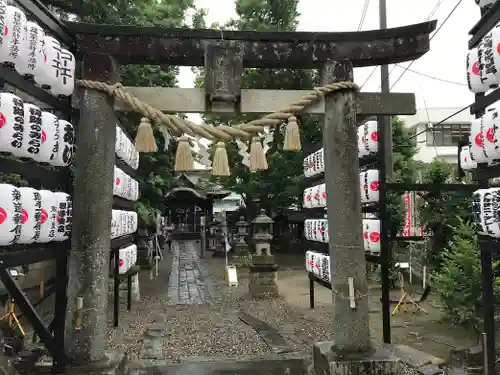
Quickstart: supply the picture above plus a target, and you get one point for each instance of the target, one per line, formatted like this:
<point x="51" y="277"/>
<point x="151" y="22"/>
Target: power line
<point x="363" y="14"/>
<point x="431" y="77"/>
<point x="432" y="37"/>
<point x="431" y="14"/>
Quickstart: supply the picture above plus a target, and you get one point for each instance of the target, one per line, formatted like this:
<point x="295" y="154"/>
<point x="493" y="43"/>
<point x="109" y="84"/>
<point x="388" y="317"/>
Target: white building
<point x="442" y="140"/>
<point x="228" y="204"/>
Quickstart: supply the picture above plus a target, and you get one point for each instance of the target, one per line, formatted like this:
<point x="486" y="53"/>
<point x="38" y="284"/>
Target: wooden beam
<point x="301" y="50"/>
<point x="184" y="100"/>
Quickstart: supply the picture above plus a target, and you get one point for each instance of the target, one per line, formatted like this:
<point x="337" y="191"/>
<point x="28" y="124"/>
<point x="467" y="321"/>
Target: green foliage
<point x="458" y="281"/>
<point x="441" y="213"/>
<point x="155" y="170"/>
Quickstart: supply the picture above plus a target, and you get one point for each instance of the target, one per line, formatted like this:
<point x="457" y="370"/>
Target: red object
<point x="117" y="181"/>
<point x="374" y="136"/>
<point x="44" y="136"/>
<point x="43" y="216"/>
<point x="24" y="216"/>
<point x="490" y="135"/>
<point x="374" y="185"/>
<point x="3" y="120"/>
<point x="122" y="263"/>
<point x="475" y="68"/>
<point x="3" y="215"/>
<point x="479" y="140"/>
<point x="374" y="237"/>
<point x="5" y="30"/>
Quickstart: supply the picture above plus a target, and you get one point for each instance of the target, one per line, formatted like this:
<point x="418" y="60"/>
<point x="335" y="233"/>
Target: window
<point x="447" y="134"/>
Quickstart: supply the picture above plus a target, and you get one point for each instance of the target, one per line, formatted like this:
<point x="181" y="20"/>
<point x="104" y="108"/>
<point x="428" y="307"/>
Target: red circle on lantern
<point x="374" y="185"/>
<point x="3" y="215"/>
<point x="43" y="216"/>
<point x="308" y="197"/>
<point x="3" y="120"/>
<point x="122" y="263"/>
<point x="475" y="68"/>
<point x="5" y="30"/>
<point x="498" y="48"/>
<point x="479" y="140"/>
<point x="117" y="181"/>
<point x="465" y="158"/>
<point x="44" y="58"/>
<point x="490" y="135"/>
<point x="44" y="136"/>
<point x="374" y="136"/>
<point x="323" y="195"/>
<point x="374" y="237"/>
<point x="24" y="216"/>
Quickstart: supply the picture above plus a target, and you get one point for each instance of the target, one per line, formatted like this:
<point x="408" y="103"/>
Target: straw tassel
<point x="184" y="161"/>
<point x="220" y="165"/>
<point x="258" y="160"/>
<point x="144" y="139"/>
<point x="292" y="135"/>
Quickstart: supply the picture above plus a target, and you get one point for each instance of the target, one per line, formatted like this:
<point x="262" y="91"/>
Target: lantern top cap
<point x="241" y="222"/>
<point x="262" y="218"/>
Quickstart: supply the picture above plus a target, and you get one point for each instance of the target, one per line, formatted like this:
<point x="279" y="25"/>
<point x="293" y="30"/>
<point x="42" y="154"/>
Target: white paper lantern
<point x="11" y="214"/>
<point x="488" y="72"/>
<point x="118" y="182"/>
<point x="466" y="161"/>
<point x="32" y="53"/>
<point x="491" y="134"/>
<point x="47" y="72"/>
<point x="369" y="186"/>
<point x="28" y="215"/>
<point x="477" y="211"/>
<point x="370" y="136"/>
<point x="50" y="137"/>
<point x="32" y="134"/>
<point x="48" y="217"/>
<point x="115" y="218"/>
<point x="11" y="124"/>
<point x="14" y="35"/>
<point x="371" y="234"/>
<point x="362" y="150"/>
<point x="476" y="144"/>
<point x="64" y="218"/>
<point x="65" y="144"/>
<point x="123" y="265"/>
<point x="474" y="74"/>
<point x="66" y="84"/>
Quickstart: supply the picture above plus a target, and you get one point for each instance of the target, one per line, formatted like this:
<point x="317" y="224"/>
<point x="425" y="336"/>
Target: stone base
<point x="239" y="259"/>
<point x="378" y="362"/>
<point x="262" y="281"/>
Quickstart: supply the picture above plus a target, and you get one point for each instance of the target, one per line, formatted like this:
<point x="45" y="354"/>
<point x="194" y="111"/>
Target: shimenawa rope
<point x="145" y="141"/>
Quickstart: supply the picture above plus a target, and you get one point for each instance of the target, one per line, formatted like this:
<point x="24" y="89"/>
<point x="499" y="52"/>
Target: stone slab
<point x="415" y="357"/>
<point x="378" y="362"/>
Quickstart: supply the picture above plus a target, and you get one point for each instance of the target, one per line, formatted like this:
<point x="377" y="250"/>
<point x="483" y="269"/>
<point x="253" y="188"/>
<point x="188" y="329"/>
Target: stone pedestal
<point x="240" y="257"/>
<point x="263" y="275"/>
<point x="379" y="361"/>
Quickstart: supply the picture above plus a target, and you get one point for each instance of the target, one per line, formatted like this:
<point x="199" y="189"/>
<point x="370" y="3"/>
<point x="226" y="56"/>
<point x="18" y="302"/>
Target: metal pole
<point x="351" y="333"/>
<point x="385" y="121"/>
<point x="385" y="171"/>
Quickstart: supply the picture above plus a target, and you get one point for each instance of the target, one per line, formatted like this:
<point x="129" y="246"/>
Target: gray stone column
<point x="88" y="263"/>
<point x="351" y="331"/>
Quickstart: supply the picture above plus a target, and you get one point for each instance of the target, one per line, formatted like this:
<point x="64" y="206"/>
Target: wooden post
<point x="88" y="263"/>
<point x="351" y="333"/>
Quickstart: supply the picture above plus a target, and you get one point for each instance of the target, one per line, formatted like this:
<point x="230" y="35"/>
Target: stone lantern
<point x="262" y="234"/>
<point x="240" y="254"/>
<point x="263" y="272"/>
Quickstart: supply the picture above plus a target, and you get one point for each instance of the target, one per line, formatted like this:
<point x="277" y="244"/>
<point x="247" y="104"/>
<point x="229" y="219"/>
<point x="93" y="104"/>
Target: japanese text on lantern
<point x="68" y="139"/>
<point x="55" y="148"/>
<point x="69" y="217"/>
<point x="488" y="212"/>
<point x="35" y="131"/>
<point x="56" y="60"/>
<point x="18" y="111"/>
<point x="18" y="215"/>
<point x="486" y="57"/>
<point x="33" y="39"/>
<point x="66" y="59"/>
<point x="37" y="197"/>
<point x="61" y="217"/>
<point x="53" y="221"/>
<point x="16" y="36"/>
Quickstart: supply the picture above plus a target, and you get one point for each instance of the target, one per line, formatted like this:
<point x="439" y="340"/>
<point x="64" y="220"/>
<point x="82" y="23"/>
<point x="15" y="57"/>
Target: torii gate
<point x="225" y="54"/>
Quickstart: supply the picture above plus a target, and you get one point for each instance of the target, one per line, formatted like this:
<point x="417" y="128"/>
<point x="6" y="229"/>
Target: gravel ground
<point x="215" y="329"/>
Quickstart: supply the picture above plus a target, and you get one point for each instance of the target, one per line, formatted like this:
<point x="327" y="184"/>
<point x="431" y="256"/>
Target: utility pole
<point x="385" y="121"/>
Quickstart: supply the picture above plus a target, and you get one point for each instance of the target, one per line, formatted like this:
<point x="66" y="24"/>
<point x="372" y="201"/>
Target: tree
<point x="155" y="170"/>
<point x="458" y="281"/>
<point x="442" y="212"/>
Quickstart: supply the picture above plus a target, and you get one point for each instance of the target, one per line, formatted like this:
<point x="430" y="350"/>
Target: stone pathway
<point x="189" y="282"/>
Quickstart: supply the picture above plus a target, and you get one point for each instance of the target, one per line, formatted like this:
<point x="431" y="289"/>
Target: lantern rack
<point x="122" y="242"/>
<point x="488" y="246"/>
<point x="38" y="176"/>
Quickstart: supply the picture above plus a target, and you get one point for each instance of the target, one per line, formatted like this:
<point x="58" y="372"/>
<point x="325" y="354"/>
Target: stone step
<point x="266" y="365"/>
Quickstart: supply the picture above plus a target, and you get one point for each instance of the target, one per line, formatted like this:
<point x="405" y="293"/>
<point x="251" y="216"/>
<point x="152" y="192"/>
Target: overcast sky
<point x="445" y="60"/>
